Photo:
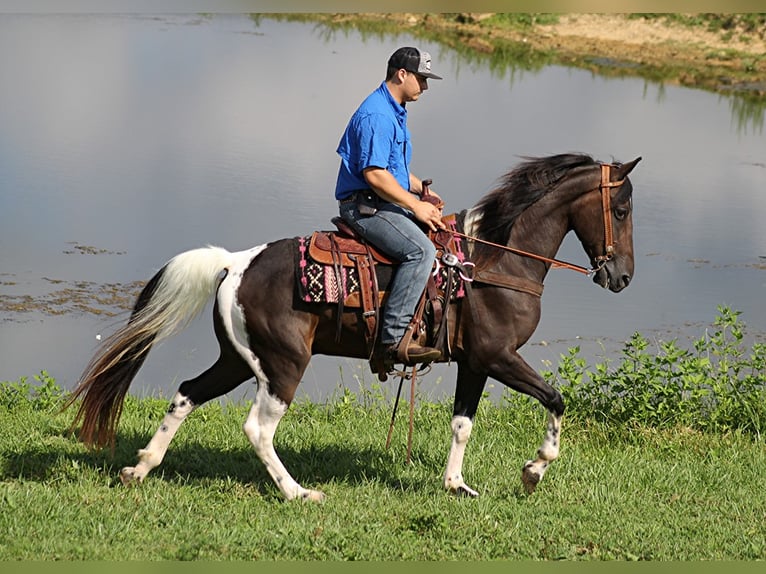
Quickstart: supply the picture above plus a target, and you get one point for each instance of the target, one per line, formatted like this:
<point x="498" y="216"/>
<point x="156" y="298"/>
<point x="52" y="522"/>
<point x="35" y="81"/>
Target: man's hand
<point x="429" y="214"/>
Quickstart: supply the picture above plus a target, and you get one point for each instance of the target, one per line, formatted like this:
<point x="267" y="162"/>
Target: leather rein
<point x="606" y="209"/>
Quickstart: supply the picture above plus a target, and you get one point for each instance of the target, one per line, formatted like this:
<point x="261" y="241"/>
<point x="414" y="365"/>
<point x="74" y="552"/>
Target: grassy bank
<point x="714" y="52"/>
<point x="625" y="487"/>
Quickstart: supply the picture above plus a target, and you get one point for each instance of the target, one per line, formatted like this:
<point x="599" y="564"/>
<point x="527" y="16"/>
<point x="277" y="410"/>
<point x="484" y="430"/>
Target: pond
<point x="128" y="139"/>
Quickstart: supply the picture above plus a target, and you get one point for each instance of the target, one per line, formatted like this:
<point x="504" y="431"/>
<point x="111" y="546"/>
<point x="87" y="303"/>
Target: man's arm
<point x="385" y="185"/>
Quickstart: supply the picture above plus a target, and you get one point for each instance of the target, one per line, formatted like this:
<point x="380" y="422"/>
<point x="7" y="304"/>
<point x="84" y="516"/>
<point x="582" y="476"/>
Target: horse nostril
<point x="625" y="280"/>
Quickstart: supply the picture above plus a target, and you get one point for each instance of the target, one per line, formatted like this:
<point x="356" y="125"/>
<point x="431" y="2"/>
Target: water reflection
<point x="144" y="137"/>
<point x="747" y="114"/>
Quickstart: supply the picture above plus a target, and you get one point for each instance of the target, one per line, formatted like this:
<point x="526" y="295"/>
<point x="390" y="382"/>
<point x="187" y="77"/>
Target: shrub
<point x="46" y="395"/>
<point x="716" y="385"/>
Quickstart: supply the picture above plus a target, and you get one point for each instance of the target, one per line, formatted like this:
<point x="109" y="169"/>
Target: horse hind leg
<point x="261" y="425"/>
<point x="151" y="456"/>
<point x="533" y="470"/>
<point x="226" y="374"/>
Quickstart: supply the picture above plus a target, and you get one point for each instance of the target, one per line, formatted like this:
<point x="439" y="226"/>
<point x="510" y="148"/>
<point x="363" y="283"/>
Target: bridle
<point x="606" y="210"/>
<point x="604" y="187"/>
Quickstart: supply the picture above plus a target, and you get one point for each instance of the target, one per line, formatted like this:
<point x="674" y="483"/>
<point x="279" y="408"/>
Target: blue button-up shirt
<point x="376" y="136"/>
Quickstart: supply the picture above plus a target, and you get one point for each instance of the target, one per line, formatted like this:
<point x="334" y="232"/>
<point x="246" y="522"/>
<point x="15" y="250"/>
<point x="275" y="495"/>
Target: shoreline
<point x="661" y="49"/>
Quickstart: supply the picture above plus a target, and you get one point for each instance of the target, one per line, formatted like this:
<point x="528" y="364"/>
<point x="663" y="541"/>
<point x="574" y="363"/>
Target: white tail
<point x="169" y="301"/>
<point x="187" y="283"/>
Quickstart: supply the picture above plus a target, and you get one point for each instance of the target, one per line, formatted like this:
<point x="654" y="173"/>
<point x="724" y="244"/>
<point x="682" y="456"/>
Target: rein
<point x="604" y="187"/>
<point x="554" y="262"/>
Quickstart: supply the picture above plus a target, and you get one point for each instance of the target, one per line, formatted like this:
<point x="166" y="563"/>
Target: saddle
<point x="344" y="248"/>
<point x="346" y="243"/>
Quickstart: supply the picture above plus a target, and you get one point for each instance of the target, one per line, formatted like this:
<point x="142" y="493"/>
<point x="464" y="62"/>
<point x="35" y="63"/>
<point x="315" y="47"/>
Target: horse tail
<point x="166" y="305"/>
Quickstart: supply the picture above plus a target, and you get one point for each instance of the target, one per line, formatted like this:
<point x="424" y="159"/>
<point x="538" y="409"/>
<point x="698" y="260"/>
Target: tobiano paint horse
<point x="265" y="332"/>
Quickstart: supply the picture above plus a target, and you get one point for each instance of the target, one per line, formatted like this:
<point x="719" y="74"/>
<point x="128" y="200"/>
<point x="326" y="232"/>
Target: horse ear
<point x="624" y="169"/>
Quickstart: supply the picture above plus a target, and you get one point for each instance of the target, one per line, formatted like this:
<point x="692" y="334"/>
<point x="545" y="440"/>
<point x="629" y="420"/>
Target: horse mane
<point x="521" y="187"/>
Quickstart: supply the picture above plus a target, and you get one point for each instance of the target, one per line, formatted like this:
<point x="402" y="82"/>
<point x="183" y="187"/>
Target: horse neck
<point x="540" y="229"/>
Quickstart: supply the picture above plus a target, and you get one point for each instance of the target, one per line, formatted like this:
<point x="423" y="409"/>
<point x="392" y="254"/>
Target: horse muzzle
<point x="613" y="276"/>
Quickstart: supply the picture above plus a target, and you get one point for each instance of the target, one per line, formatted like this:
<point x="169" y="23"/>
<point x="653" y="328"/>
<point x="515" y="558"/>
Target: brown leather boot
<point x="412" y="354"/>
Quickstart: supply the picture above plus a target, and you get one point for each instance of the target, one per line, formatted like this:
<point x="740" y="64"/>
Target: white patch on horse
<point x="267" y="410"/>
<point x="232" y="313"/>
<point x="533" y="470"/>
<point x="472" y="217"/>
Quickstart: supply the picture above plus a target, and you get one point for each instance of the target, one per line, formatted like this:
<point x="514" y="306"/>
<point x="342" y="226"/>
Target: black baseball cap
<point x="413" y="60"/>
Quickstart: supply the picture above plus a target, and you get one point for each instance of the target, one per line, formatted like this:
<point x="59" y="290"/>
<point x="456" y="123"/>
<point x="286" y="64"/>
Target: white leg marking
<point x="533" y="470"/>
<point x="151" y="456"/>
<point x="453" y="475"/>
<point x="260" y="426"/>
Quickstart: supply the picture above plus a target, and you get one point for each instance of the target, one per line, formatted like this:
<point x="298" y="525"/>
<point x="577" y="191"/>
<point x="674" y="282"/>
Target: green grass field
<point x="631" y="494"/>
<point x="662" y="459"/>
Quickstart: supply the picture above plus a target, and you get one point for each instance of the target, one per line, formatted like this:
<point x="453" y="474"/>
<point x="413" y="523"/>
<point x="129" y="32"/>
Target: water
<point x="127" y="139"/>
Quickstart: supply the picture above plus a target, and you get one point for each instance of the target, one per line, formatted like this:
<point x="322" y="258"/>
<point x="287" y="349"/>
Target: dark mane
<point x="518" y="189"/>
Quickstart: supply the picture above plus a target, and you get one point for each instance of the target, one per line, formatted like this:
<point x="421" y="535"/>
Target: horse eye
<point x="621" y="213"/>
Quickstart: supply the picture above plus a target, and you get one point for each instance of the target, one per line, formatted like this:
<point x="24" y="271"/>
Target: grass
<point x="626" y="493"/>
<point x="662" y="459"/>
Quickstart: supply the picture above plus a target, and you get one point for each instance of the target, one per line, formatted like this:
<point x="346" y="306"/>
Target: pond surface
<point x="127" y="139"/>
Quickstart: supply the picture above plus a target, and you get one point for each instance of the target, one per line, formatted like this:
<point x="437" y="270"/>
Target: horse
<point x="267" y="333"/>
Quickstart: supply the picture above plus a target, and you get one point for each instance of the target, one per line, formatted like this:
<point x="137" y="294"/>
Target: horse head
<point x="603" y="222"/>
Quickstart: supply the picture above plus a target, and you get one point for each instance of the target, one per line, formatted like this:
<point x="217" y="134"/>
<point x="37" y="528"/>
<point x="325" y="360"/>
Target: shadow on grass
<point x="189" y="462"/>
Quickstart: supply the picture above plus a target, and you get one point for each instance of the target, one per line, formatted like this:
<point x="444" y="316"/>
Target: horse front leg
<point x="533" y="470"/>
<point x="515" y="373"/>
<point x="467" y="395"/>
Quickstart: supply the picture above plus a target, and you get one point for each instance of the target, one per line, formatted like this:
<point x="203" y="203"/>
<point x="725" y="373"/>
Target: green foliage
<point x="46" y="395"/>
<point x="645" y="471"/>
<point x="716" y="385"/>
<point x="635" y="480"/>
<point x="642" y="494"/>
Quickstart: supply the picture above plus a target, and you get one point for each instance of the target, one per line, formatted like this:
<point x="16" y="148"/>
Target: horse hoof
<point x="465" y="492"/>
<point x="529" y="478"/>
<point x="128" y="476"/>
<point x="313" y="496"/>
<point x="460" y="489"/>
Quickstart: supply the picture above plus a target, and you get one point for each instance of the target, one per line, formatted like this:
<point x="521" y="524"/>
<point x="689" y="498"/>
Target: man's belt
<point x="352" y="198"/>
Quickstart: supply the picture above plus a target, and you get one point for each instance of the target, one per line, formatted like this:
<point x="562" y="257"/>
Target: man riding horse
<point x="382" y="200"/>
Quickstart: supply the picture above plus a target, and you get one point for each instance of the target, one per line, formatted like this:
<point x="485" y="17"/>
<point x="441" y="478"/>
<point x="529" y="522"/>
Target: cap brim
<point x="428" y="75"/>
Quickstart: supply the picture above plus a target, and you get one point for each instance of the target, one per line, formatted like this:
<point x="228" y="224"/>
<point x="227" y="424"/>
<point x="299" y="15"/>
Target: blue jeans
<point x="395" y="232"/>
